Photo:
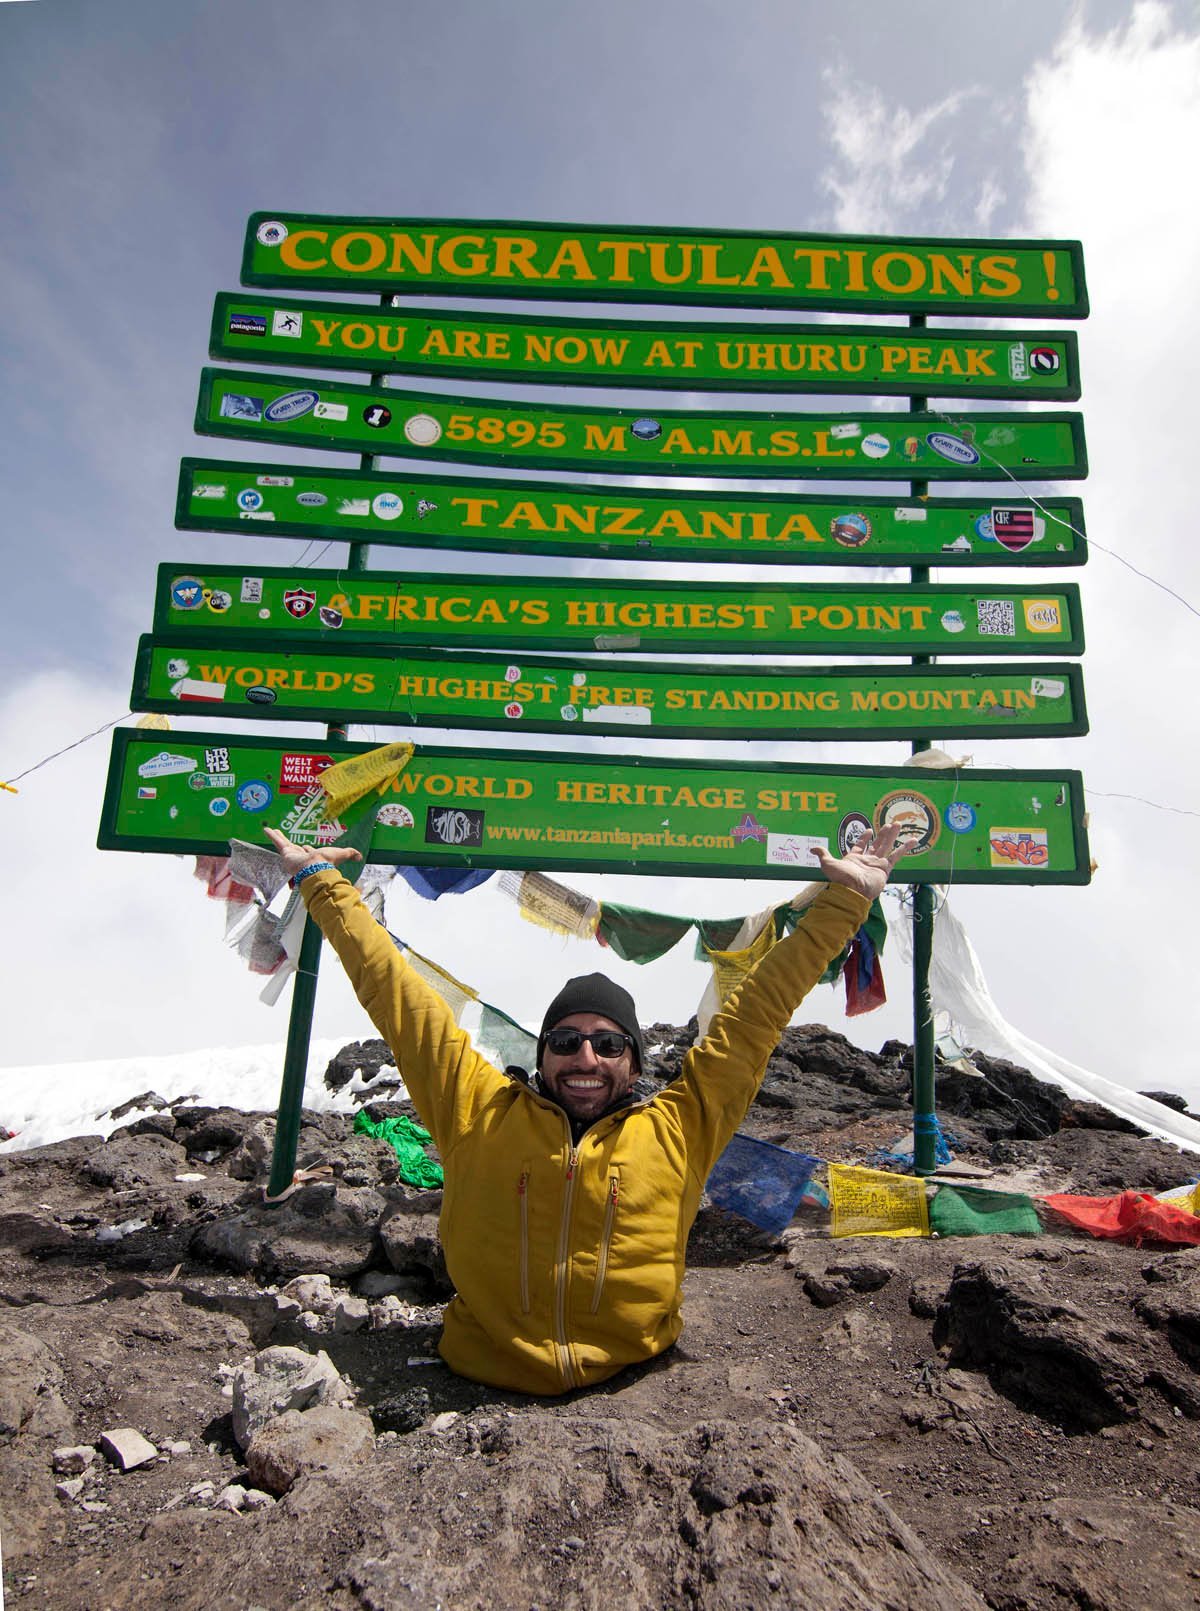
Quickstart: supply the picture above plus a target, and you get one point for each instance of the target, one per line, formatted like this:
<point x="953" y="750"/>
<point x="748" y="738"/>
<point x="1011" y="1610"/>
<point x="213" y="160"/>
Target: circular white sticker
<point x="271" y="232"/>
<point x="388" y="505"/>
<point x="512" y="674"/>
<point x="264" y="614"/>
<point x="569" y="713"/>
<point x="578" y="678"/>
<point x="422" y="430"/>
<point x="953" y="621"/>
<point x="876" y="446"/>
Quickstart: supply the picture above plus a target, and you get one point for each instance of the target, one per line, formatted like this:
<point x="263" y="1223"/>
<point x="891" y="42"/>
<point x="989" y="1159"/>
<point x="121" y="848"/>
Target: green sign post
<point x="535" y="517"/>
<point x="502" y="611"/>
<point x="598" y="263"/>
<point x="182" y="792"/>
<point x="327" y="681"/>
<point x="347" y="644"/>
<point x="879" y="361"/>
<point x="299" y="411"/>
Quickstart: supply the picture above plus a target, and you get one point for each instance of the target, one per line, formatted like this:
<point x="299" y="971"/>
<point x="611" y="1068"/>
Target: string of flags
<point x="250" y="879"/>
<point x="768" y="1184"/>
<point x="764" y="1183"/>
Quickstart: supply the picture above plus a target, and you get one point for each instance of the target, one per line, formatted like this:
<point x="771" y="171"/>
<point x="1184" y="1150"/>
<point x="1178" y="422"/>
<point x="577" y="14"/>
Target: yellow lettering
<point x="767" y="261"/>
<point x="374" y="255"/>
<point x="474" y="263"/>
<point x="289" y="251"/>
<point x="570" y="255"/>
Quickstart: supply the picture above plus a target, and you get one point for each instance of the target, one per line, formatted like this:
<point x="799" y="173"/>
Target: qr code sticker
<point x="997" y="618"/>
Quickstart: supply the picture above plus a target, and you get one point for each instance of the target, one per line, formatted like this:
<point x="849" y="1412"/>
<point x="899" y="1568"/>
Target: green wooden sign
<point x="504" y="612"/>
<point x="300" y="411"/>
<point x="535" y="517"/>
<point x="874" y="359"/>
<point x="190" y="793"/>
<point x="601" y="263"/>
<point x="355" y="683"/>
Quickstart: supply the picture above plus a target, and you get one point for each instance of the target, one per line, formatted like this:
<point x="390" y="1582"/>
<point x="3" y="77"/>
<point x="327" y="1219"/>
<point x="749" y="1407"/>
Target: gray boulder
<point x="410" y="1239"/>
<point x="277" y="1380"/>
<point x="299" y="1442"/>
<point x="1044" y="1354"/>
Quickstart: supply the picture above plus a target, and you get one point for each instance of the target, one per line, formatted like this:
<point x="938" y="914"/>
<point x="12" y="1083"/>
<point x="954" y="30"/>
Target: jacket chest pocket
<point x="611" y="1199"/>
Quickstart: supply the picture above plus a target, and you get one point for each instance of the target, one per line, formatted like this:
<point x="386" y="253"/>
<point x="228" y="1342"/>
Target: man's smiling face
<point x="582" y="1083"/>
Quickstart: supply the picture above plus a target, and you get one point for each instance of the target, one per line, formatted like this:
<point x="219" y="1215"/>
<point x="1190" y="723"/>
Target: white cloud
<point x="892" y="161"/>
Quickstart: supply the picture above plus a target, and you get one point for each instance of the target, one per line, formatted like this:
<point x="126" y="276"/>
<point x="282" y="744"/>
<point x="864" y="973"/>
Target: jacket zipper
<point x="610" y="1214"/>
<point x="560" y="1270"/>
<point x="523" y="1198"/>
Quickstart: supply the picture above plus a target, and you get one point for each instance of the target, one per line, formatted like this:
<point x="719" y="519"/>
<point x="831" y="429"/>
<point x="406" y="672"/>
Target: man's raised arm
<point x="444" y="1075"/>
<point x="722" y="1072"/>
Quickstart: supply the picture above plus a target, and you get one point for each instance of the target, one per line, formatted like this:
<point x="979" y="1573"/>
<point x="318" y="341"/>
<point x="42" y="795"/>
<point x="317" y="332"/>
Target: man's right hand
<point x="295" y="857"/>
<point x="868" y="866"/>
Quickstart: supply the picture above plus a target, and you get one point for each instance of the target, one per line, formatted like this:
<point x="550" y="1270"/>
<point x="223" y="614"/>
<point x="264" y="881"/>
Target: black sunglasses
<point x="604" y="1042"/>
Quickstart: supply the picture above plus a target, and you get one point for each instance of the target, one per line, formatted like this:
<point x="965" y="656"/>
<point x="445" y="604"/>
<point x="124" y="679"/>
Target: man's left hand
<point x="294" y="857"/>
<point x="868" y="866"/>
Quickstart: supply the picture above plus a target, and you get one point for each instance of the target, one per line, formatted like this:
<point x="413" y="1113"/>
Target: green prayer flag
<point x="638" y="936"/>
<point x="407" y="1140"/>
<point x="504" y="1041"/>
<point x="875" y="924"/>
<point x="715" y="934"/>
<point x="973" y="1211"/>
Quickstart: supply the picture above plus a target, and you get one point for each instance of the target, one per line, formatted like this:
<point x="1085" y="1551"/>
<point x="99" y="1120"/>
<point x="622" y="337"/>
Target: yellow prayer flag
<point x="1185" y="1197"/>
<point x="731" y="967"/>
<point x="554" y="906"/>
<point x="452" y="991"/>
<point x="873" y="1202"/>
<point x="349" y="780"/>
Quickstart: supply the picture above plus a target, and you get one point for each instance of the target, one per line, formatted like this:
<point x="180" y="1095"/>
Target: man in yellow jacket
<point x="568" y="1204"/>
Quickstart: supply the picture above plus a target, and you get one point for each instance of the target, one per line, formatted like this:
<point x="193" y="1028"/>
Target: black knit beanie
<point x="594" y="993"/>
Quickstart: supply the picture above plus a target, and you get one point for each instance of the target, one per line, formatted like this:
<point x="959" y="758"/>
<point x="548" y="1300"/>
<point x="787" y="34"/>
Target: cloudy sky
<point x="137" y="139"/>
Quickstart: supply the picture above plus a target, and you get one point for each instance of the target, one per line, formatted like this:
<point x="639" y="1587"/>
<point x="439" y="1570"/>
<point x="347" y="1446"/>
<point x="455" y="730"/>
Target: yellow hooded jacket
<point x="568" y="1260"/>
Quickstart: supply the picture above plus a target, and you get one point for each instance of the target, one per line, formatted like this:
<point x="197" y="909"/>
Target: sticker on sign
<point x="794" y="849"/>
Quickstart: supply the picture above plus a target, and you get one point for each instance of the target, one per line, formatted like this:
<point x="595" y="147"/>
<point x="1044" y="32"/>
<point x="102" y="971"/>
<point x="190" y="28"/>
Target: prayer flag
<point x="349" y="780"/>
<point x="453" y="992"/>
<point x="974" y="1211"/>
<point x="638" y="936"/>
<point x="1130" y="1216"/>
<point x="1183" y="1196"/>
<point x="761" y="1182"/>
<point x="552" y="905"/>
<point x="504" y="1041"/>
<point x="872" y="1202"/>
<point x="731" y="967"/>
<point x="407" y="1140"/>
<point x="430" y="882"/>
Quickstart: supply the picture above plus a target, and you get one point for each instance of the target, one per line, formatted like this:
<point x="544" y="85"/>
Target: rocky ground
<point x="209" y="1403"/>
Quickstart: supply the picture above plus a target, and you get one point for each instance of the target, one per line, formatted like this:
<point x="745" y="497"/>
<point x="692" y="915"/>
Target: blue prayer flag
<point x="761" y="1182"/>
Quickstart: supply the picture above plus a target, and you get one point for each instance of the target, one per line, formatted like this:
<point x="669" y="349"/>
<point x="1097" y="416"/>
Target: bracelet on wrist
<point x="306" y="872"/>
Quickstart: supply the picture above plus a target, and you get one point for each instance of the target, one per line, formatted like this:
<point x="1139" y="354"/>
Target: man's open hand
<point x="294" y="857"/>
<point x="867" y="867"/>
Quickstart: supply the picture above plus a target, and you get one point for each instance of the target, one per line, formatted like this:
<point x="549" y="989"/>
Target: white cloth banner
<point x="958" y="987"/>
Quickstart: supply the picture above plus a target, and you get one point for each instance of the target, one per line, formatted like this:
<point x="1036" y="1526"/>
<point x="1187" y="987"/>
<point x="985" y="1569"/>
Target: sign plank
<point x="603" y="263"/>
<point x="408" y="510"/>
<point x="876" y="359"/>
<point x="439" y="611"/>
<point x="301" y="411"/>
<point x="328" y="682"/>
<point x="185" y="792"/>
